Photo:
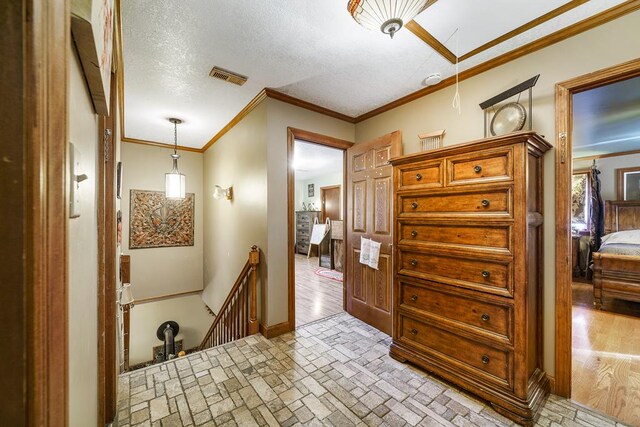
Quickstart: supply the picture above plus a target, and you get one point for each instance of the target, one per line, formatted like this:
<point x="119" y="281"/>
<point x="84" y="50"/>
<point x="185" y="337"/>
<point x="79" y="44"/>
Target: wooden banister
<point x="237" y="318"/>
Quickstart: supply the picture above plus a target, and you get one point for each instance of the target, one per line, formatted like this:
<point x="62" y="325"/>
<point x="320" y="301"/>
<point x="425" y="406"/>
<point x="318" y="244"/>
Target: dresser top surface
<point x="535" y="141"/>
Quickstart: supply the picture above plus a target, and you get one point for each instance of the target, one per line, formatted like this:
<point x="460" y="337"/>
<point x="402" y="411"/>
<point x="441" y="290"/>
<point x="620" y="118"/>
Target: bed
<point x="616" y="265"/>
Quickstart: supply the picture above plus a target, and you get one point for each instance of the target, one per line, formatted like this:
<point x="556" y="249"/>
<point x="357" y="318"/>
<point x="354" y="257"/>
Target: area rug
<point x="336" y="276"/>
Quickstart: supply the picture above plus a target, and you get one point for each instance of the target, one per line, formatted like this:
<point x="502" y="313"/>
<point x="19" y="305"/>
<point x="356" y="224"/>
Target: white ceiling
<point x="313" y="160"/>
<point x="312" y="50"/>
<point x="607" y="119"/>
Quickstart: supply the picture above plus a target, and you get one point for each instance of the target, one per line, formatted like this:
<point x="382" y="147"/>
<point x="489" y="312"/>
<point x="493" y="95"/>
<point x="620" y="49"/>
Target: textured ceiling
<point x="313" y="160"/>
<point x="312" y="50"/>
<point x="607" y="119"/>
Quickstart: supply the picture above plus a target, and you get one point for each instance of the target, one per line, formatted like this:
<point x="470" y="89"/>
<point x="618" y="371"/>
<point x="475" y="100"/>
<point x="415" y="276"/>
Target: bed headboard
<point x="621" y="215"/>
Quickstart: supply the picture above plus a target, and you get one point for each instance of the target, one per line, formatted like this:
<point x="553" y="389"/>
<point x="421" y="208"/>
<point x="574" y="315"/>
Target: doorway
<point x="598" y="290"/>
<point x="316" y="211"/>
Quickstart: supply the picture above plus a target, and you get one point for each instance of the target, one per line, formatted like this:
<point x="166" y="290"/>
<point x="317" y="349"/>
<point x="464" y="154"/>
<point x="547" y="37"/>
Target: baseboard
<point x="274" y="330"/>
<point x="552" y="383"/>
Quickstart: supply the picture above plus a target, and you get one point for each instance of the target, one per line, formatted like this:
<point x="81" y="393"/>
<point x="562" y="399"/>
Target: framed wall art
<point x="157" y="222"/>
<point x="310" y="190"/>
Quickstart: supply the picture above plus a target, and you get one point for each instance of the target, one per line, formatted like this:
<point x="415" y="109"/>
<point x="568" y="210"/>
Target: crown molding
<point x="580" y="27"/>
<point x="274" y="94"/>
<point x="159" y="144"/>
<point x="558" y="36"/>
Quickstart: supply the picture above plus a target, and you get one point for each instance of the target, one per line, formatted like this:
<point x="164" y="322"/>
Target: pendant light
<point x="174" y="180"/>
<point x="387" y="16"/>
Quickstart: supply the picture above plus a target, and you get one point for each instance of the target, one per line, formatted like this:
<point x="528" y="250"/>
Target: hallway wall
<point x="83" y="257"/>
<point x="601" y="47"/>
<point x="280" y="116"/>
<point x="238" y="159"/>
<point x="159" y="272"/>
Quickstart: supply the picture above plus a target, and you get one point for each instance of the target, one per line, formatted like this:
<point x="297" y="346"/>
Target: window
<point x="628" y="183"/>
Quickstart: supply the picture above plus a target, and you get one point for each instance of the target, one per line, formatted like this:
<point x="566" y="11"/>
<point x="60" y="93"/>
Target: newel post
<point x="254" y="260"/>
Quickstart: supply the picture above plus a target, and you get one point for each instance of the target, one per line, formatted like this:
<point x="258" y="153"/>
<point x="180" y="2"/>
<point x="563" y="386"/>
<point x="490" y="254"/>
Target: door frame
<point x="322" y="190"/>
<point x="107" y="261"/>
<point x="37" y="44"/>
<point x="564" y="170"/>
<point x="294" y="134"/>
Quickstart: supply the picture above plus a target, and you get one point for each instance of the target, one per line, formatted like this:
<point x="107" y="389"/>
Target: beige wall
<point x="279" y="117"/>
<point x="162" y="271"/>
<point x="238" y="159"/>
<point x="607" y="167"/>
<point x="604" y="46"/>
<point x="83" y="258"/>
<point x="190" y="313"/>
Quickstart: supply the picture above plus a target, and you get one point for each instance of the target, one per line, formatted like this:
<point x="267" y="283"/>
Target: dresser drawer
<point x="495" y="202"/>
<point x="477" y="316"/>
<point x="472" y="356"/>
<point x="487" y="166"/>
<point x="495" y="238"/>
<point x="421" y="175"/>
<point x="476" y="273"/>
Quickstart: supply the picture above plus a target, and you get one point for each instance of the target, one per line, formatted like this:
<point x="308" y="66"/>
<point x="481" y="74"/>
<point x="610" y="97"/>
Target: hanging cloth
<point x="596" y="209"/>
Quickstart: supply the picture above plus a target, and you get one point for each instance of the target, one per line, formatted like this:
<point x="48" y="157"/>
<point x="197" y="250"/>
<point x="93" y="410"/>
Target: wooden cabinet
<point x="304" y="226"/>
<point x="468" y="268"/>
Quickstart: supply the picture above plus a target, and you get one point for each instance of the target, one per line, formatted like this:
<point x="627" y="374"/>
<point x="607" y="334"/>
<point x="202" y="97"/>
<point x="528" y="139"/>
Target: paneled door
<point x="330" y="199"/>
<point x="369" y="210"/>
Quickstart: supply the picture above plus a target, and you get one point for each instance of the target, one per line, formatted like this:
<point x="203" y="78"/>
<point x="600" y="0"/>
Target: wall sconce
<point x="126" y="296"/>
<point x="223" y="193"/>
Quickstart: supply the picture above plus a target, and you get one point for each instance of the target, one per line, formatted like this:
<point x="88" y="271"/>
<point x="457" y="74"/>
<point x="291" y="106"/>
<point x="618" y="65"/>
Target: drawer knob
<point x="485" y="317"/>
<point x="418" y="176"/>
<point x="413" y="331"/>
<point x="477" y="168"/>
<point x="414" y="233"/>
<point x="414" y="262"/>
<point x="414" y="298"/>
<point x="485" y="202"/>
<point x="414" y="205"/>
<point x="485" y="359"/>
<point x="485" y="273"/>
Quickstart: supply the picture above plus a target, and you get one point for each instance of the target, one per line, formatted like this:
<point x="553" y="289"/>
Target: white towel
<point x="369" y="252"/>
<point x="374" y="254"/>
<point x="365" y="246"/>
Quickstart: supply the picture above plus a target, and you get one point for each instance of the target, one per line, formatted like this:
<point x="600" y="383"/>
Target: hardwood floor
<point x="316" y="297"/>
<point x="606" y="363"/>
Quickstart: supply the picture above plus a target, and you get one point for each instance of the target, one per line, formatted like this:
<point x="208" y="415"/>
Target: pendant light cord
<point x="175" y="138"/>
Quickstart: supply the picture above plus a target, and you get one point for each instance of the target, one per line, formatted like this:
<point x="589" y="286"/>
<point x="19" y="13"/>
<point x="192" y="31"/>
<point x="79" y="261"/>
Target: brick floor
<point x="335" y="372"/>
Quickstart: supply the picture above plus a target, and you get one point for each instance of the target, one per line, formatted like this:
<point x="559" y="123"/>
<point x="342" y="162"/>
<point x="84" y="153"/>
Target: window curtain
<point x="597" y="209"/>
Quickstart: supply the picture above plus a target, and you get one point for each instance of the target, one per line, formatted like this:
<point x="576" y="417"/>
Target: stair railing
<point x="237" y="318"/>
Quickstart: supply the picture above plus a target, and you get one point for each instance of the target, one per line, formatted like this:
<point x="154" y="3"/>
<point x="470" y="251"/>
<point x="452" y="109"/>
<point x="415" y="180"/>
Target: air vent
<point x="227" y="76"/>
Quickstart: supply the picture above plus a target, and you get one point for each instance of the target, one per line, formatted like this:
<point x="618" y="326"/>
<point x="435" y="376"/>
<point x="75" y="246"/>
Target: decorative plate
<point x="509" y="118"/>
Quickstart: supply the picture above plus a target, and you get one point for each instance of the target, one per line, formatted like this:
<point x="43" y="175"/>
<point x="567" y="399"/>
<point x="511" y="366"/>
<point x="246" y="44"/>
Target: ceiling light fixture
<point x="174" y="180"/>
<point x="386" y="15"/>
<point x="432" y="79"/>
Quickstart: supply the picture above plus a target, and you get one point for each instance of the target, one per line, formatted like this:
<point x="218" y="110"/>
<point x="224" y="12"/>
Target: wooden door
<point x="330" y="200"/>
<point x="369" y="214"/>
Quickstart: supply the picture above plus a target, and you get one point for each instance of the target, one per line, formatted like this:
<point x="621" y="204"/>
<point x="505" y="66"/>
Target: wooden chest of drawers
<point x="304" y="226"/>
<point x="468" y="268"/>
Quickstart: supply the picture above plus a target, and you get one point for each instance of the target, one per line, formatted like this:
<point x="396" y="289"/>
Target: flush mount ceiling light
<point x="432" y="79"/>
<point x="174" y="180"/>
<point x="387" y="16"/>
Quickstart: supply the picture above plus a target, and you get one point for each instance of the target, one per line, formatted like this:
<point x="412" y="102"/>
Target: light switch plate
<point x="74" y="190"/>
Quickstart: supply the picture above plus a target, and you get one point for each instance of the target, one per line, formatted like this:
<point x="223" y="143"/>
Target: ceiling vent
<point x="227" y="76"/>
